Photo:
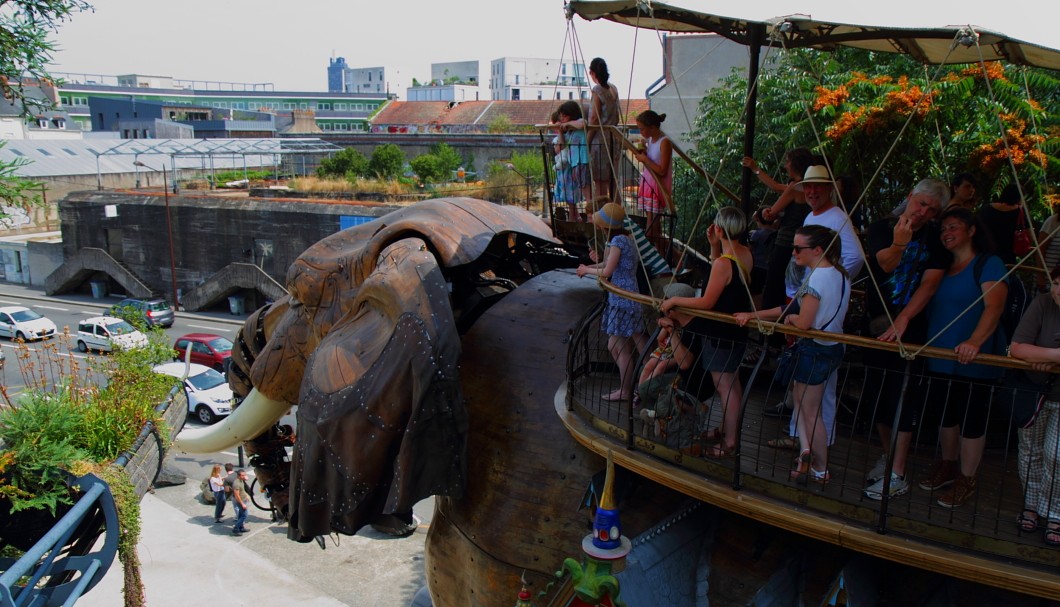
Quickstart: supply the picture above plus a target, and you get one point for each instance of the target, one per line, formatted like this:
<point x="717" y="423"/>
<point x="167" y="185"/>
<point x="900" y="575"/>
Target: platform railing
<point x="46" y="574"/>
<point x="682" y="436"/>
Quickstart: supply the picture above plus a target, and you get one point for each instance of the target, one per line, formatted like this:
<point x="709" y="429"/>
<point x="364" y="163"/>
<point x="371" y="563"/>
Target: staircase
<point x="86" y="263"/>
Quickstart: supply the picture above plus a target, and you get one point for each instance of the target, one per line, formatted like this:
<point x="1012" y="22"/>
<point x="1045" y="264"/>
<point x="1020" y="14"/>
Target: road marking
<point x="11" y="303"/>
<point x="51" y="308"/>
<point x="210" y="328"/>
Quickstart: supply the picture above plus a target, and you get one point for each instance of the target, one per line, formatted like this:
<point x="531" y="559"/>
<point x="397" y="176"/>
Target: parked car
<point x="209" y="397"/>
<point x="206" y="349"/>
<point x="19" y="322"/>
<point x="105" y="333"/>
<point x="154" y="312"/>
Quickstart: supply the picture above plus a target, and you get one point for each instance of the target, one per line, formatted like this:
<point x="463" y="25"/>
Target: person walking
<point x="240" y="501"/>
<point x="217" y="487"/>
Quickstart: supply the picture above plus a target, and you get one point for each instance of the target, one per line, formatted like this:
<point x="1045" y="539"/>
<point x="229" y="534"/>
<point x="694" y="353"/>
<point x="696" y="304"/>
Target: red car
<point x="206" y="349"/>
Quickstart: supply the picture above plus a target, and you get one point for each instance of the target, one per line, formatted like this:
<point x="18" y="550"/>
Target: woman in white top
<point x="217" y="486"/>
<point x="823" y="301"/>
<point x="655" y="193"/>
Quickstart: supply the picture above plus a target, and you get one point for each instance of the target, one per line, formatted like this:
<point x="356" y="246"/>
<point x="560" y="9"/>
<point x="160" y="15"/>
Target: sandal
<point x="1027" y="521"/>
<point x="801" y="472"/>
<point x="1052" y="533"/>
<point x="719" y="451"/>
<point x="783" y="443"/>
<point x="712" y="435"/>
<point x="824" y="477"/>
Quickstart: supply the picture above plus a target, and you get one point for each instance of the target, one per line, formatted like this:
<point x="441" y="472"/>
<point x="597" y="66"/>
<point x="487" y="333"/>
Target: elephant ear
<point x="381" y="418"/>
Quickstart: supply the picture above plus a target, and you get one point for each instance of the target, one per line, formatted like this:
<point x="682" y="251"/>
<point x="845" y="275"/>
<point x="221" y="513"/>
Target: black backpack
<point x="1016" y="301"/>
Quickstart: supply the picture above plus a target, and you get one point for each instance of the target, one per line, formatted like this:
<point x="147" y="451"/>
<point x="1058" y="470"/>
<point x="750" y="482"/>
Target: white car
<point x="209" y="397"/>
<point x="19" y="322"/>
<point x="105" y="333"/>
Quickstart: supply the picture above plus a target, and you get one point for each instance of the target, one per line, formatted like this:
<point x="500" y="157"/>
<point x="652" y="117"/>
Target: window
<point x="358" y="106"/>
<point x="303" y="106"/>
<point x="570" y="95"/>
<point x="557" y="94"/>
<point x="79" y="100"/>
<point x="44" y="151"/>
<point x="326" y="126"/>
<point x="70" y="152"/>
<point x="253" y="105"/>
<point x="64" y="100"/>
<point x="340" y="106"/>
<point x="515" y="94"/>
<point x="16" y="152"/>
<point x="369" y="76"/>
<point x="539" y="95"/>
<point x="323" y="106"/>
<point x="288" y="105"/>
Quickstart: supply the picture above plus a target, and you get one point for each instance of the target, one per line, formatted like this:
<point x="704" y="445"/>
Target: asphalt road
<point x="368" y="569"/>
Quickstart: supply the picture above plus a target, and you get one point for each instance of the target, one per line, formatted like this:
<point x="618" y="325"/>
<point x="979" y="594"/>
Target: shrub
<point x="388" y="161"/>
<point x="429" y="168"/>
<point x="344" y="163"/>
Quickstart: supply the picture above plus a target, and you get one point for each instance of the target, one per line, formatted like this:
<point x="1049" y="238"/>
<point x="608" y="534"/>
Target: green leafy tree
<point x="884" y="121"/>
<point x="428" y="168"/>
<point x="388" y="161"/>
<point x="25" y="50"/>
<point x="343" y="163"/>
<point x="26" y="27"/>
<point x="448" y="157"/>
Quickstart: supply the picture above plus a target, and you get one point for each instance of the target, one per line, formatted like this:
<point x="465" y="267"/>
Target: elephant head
<point x="367" y="344"/>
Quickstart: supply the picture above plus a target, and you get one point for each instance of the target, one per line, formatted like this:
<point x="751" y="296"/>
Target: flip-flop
<point x="1052" y="533"/>
<point x="1026" y="523"/>
<point x="783" y="443"/>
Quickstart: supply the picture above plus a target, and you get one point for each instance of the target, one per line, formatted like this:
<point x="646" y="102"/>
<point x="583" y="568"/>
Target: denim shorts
<point x="816" y="362"/>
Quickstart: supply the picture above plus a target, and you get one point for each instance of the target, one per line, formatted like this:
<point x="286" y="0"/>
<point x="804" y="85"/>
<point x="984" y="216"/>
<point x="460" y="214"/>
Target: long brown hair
<point x="216" y="470"/>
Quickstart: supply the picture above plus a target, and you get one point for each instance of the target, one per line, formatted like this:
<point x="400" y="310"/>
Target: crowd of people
<point x="940" y="280"/>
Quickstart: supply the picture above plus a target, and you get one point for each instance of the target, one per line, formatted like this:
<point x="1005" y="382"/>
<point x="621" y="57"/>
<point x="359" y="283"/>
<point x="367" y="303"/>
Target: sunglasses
<point x="799" y="249"/>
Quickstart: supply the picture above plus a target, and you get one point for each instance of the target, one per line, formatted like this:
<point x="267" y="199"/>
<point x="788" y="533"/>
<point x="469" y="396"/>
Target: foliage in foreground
<point x="63" y="418"/>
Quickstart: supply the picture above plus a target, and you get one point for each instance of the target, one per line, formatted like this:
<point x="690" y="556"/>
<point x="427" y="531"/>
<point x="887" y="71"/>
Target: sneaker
<point x="962" y="489"/>
<point x="647" y="415"/>
<point x="238" y="532"/>
<point x="781" y="409"/>
<point x="943" y="473"/>
<point x="899" y="486"/>
<point x="875" y="475"/>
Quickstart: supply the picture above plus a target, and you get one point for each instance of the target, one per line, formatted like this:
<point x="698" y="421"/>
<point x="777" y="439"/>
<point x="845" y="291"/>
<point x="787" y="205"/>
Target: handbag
<point x="1022" y="397"/>
<point x="785" y="369"/>
<point x="1021" y="238"/>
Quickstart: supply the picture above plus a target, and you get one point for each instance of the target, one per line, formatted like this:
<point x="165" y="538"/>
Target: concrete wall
<point x="44" y="258"/>
<point x="696" y="64"/>
<point x="209" y="233"/>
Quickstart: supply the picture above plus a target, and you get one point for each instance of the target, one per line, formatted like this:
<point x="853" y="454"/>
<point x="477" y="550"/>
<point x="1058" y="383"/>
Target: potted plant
<point x="111" y="417"/>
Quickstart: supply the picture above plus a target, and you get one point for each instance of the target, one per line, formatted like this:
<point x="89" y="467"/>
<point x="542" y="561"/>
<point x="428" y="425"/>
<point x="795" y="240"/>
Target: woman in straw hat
<point x="622" y="319"/>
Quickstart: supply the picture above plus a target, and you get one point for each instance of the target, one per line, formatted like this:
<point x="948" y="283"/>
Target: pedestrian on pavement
<point x="240" y="501"/>
<point x="217" y="486"/>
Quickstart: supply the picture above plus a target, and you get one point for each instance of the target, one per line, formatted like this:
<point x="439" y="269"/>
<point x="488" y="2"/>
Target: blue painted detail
<point x="348" y="221"/>
<point x="92" y="565"/>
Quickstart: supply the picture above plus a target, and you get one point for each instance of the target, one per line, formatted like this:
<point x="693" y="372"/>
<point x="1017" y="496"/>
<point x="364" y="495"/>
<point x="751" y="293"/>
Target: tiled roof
<point x="480" y="113"/>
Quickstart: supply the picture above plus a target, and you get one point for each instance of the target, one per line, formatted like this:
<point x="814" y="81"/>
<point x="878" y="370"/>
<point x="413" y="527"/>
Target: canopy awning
<point x="952" y="44"/>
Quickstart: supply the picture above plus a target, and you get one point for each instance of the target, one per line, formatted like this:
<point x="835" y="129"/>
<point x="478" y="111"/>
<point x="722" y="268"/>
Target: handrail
<point x="845" y="338"/>
<point x="43" y="558"/>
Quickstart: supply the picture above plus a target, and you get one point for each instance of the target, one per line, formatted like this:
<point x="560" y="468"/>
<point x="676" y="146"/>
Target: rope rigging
<point x="967" y="36"/>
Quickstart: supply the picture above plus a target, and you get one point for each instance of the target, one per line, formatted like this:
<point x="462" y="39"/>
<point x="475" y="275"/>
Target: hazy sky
<point x="289" y="43"/>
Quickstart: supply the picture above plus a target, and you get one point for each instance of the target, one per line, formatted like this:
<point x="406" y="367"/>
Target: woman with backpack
<point x="973" y="289"/>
